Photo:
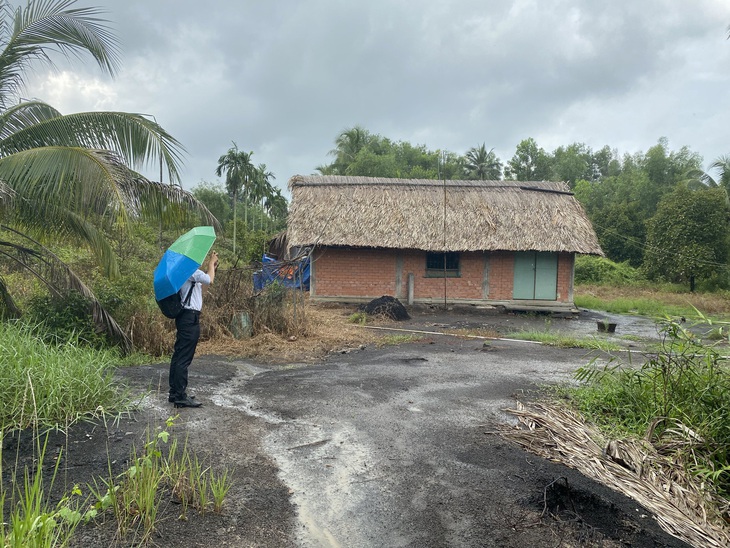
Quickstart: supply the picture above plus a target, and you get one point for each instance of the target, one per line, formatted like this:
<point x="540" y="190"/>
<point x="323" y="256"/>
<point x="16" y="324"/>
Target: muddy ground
<point x="391" y="446"/>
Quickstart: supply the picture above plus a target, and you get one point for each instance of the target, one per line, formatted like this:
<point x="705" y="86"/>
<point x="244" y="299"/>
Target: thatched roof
<point x="409" y="214"/>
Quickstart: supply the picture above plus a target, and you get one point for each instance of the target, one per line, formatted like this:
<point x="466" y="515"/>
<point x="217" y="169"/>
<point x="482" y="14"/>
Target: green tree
<point x="72" y="176"/>
<point x="276" y="207"/>
<point x="348" y="144"/>
<point x="215" y="199"/>
<point x="529" y="163"/>
<point x="262" y="188"/>
<point x="572" y="163"/>
<point x="605" y="163"/>
<point x="482" y="164"/>
<point x="688" y="236"/>
<point x="368" y="163"/>
<point x="239" y="172"/>
<point x="621" y="232"/>
<point x="361" y="153"/>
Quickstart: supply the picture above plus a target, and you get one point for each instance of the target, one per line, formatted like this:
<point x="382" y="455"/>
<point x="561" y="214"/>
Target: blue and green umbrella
<point x="181" y="259"/>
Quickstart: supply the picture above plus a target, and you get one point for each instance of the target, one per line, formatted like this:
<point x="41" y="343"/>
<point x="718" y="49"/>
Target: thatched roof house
<point x="400" y="217"/>
<point x="402" y="213"/>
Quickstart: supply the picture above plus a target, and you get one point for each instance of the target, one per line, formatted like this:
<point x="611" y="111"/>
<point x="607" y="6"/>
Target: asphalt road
<point x="396" y="447"/>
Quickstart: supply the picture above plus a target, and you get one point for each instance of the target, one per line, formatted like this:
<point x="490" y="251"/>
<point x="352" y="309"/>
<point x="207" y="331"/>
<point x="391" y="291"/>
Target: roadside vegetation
<point x="602" y="284"/>
<point x="564" y="341"/>
<point x="678" y="400"/>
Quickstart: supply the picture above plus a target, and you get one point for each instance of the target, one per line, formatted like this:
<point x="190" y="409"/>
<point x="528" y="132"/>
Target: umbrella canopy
<point x="181" y="259"/>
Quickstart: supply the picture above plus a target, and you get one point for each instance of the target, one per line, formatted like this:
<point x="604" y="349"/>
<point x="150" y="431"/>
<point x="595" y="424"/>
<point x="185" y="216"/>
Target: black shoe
<point x="187" y="402"/>
<point x="172" y="399"/>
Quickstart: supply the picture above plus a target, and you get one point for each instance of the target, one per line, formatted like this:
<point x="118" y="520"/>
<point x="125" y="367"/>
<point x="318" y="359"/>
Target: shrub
<point x="599" y="270"/>
<point x="57" y="320"/>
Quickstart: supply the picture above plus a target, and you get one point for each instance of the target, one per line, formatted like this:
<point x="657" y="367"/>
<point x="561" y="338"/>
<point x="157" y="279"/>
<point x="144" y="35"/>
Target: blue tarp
<point x="293" y="274"/>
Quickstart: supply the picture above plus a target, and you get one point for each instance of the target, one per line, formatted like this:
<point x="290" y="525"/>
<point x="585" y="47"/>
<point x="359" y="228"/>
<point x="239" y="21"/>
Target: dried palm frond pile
<point x="682" y="507"/>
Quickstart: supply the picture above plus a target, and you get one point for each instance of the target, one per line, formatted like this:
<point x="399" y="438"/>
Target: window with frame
<point x="440" y="265"/>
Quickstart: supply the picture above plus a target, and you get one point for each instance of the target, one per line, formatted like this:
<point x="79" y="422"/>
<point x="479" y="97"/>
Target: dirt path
<point x="389" y="446"/>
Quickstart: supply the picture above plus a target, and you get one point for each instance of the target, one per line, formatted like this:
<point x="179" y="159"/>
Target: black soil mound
<point x="389" y="307"/>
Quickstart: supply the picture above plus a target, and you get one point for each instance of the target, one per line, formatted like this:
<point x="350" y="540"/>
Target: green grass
<point x="563" y="341"/>
<point x="359" y="318"/>
<point x="43" y="384"/>
<point x="641" y="306"/>
<point x="34" y="520"/>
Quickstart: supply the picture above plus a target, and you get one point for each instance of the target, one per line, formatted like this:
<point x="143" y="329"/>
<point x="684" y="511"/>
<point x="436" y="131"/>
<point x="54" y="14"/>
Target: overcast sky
<point x="282" y="78"/>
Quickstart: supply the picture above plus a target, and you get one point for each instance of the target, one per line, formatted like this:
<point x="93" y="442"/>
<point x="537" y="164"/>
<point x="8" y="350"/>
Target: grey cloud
<point x="282" y="78"/>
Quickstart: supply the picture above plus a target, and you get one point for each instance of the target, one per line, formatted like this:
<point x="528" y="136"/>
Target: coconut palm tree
<point x="276" y="205"/>
<point x="239" y="171"/>
<point x="696" y="179"/>
<point x="262" y="188"/>
<point x="72" y="175"/>
<point x="483" y="165"/>
<point x="347" y="144"/>
<point x="722" y="166"/>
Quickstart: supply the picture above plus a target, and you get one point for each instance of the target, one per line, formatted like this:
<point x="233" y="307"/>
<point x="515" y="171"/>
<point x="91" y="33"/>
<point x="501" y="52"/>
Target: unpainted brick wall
<point x="353" y="272"/>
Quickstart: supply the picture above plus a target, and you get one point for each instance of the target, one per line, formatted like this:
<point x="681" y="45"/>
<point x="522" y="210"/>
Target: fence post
<point x="411" y="282"/>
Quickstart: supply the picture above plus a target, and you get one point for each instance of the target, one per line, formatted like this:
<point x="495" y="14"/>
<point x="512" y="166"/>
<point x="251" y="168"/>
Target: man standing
<point x="188" y="333"/>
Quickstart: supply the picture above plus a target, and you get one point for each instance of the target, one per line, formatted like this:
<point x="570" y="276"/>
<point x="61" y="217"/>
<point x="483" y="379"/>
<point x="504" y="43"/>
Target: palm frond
<point x="137" y="140"/>
<point x="76" y="178"/>
<point x="169" y="203"/>
<point x="8" y="308"/>
<point x="23" y="115"/>
<point x="60" y="280"/>
<point x="44" y="218"/>
<point x="52" y="25"/>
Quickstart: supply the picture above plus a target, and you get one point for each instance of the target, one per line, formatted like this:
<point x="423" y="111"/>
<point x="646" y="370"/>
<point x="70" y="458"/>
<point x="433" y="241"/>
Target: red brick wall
<point x="501" y="275"/>
<point x="370" y="273"/>
<point x="354" y="272"/>
<point x="565" y="277"/>
<point x="468" y="286"/>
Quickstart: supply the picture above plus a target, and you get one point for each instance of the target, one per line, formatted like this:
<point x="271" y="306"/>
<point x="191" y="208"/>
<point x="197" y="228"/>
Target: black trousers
<point x="188" y="333"/>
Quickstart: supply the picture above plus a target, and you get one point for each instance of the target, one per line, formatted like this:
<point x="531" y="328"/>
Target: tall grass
<point x="679" y="399"/>
<point x="44" y="384"/>
<point x="628" y="305"/>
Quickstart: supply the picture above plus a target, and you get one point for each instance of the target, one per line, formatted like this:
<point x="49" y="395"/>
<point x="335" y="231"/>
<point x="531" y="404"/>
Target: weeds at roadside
<point x="394" y="340"/>
<point x="220" y="484"/>
<point x="562" y="341"/>
<point x="359" y="318"/>
<point x="654" y="303"/>
<point x="34" y="520"/>
<point x="135" y="496"/>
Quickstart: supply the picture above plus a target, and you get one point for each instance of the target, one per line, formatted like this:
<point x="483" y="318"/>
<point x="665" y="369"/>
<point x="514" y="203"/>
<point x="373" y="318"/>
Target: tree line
<point x="657" y="211"/>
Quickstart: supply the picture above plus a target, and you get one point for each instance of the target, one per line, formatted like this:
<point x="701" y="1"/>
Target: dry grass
<point x="327" y="330"/>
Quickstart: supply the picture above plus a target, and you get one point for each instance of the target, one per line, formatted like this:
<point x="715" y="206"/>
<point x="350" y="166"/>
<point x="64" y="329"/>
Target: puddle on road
<point x="318" y="535"/>
<point x="330" y="475"/>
